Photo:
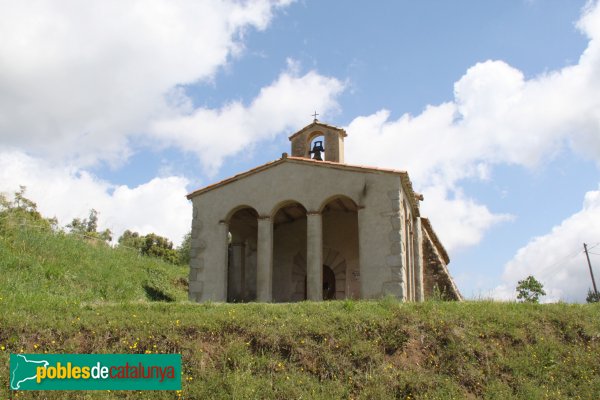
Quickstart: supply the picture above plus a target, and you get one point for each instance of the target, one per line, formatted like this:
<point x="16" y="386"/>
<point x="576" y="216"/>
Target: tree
<point x="592" y="297"/>
<point x="184" y="249"/>
<point x="150" y="245"/>
<point x="132" y="240"/>
<point x="158" y="246"/>
<point x="23" y="212"/>
<point x="88" y="228"/>
<point x="23" y="203"/>
<point x="529" y="290"/>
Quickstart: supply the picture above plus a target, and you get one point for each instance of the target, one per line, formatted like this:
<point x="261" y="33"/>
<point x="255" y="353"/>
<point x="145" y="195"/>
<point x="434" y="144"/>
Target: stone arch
<point x="283" y="204"/>
<point x="348" y="203"/>
<point x="314" y="134"/>
<point x="235" y="209"/>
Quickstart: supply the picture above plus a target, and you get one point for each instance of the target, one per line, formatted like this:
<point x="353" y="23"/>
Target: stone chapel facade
<point x="299" y="228"/>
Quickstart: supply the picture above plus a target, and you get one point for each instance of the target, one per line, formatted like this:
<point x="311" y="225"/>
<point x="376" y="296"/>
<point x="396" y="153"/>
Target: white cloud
<point x="79" y="82"/>
<point x="214" y="134"/>
<point x="78" y="79"/>
<point x="456" y="214"/>
<point x="556" y="259"/>
<point x="157" y="206"/>
<point x="497" y="117"/>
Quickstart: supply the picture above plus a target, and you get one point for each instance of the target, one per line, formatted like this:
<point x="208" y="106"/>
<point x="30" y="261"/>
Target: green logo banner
<point x="95" y="372"/>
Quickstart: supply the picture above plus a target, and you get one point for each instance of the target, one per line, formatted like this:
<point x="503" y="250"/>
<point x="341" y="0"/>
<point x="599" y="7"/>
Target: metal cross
<point x="315" y="116"/>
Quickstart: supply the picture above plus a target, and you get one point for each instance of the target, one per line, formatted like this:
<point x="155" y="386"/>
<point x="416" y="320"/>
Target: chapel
<point x="308" y="226"/>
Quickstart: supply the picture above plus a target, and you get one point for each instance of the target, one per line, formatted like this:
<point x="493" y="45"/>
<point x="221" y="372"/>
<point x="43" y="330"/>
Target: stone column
<point x="419" y="295"/>
<point x="363" y="247"/>
<point x="219" y="292"/>
<point x="314" y="256"/>
<point x="264" y="267"/>
<point x="236" y="276"/>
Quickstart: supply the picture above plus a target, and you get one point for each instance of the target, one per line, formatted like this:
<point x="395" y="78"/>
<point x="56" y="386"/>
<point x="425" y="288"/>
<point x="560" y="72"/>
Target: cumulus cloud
<point x="157" y="206"/>
<point x="462" y="217"/>
<point x="557" y="259"/>
<point x="80" y="82"/>
<point x="78" y="79"/>
<point x="497" y="117"/>
<point x="214" y="134"/>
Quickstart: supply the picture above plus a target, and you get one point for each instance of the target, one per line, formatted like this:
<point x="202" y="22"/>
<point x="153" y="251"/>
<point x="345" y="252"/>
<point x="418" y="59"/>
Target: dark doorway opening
<point x="328" y="283"/>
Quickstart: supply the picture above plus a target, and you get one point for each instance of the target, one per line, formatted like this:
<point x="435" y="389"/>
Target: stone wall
<point x="333" y="138"/>
<point x="436" y="278"/>
<point x="395" y="257"/>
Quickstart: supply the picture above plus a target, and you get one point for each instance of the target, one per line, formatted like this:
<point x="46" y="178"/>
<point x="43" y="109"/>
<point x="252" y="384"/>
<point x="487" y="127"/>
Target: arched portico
<point x="293" y="254"/>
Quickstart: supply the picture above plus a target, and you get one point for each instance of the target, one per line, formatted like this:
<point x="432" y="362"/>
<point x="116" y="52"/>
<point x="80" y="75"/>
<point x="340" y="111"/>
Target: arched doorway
<point x="328" y="283"/>
<point x="334" y="276"/>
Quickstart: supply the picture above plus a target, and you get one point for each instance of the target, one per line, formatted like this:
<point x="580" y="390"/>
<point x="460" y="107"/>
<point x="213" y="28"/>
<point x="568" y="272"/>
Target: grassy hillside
<point x="59" y="294"/>
<point x="39" y="267"/>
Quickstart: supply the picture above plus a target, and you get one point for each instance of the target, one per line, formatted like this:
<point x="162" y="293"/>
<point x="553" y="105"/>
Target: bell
<point x="316" y="150"/>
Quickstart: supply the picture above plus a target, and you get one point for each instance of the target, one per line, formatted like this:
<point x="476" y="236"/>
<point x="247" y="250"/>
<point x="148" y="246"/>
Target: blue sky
<point x="492" y="107"/>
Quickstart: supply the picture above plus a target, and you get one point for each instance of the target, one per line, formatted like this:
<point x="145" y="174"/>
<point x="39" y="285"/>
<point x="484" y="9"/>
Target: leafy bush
<point x="530" y="290"/>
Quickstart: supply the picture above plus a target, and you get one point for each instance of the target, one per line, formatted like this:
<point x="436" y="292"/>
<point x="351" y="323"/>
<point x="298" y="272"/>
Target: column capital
<point x="313" y="213"/>
<point x="264" y="218"/>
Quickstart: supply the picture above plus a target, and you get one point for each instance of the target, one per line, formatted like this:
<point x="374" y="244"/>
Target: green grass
<point x="59" y="294"/>
<point x="40" y="268"/>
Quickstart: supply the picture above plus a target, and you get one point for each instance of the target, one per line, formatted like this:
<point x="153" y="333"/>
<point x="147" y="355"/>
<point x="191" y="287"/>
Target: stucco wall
<point x="380" y="235"/>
